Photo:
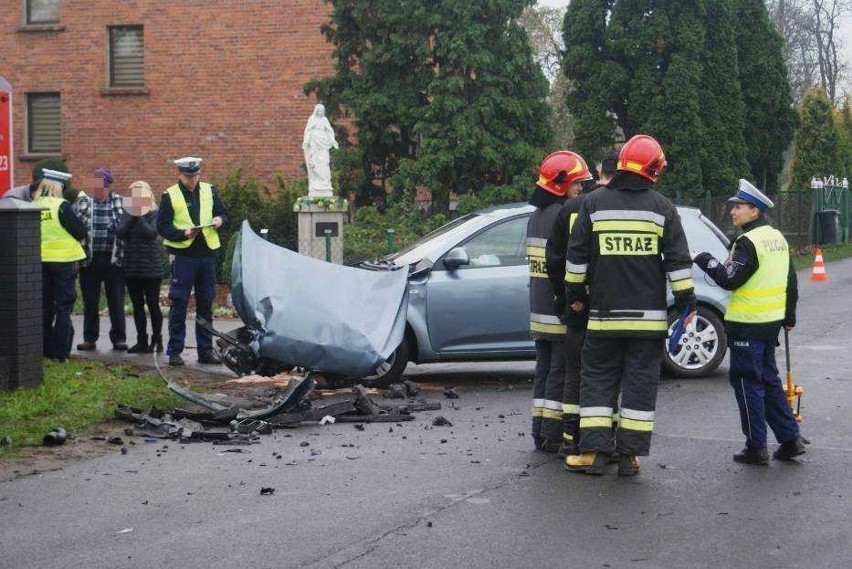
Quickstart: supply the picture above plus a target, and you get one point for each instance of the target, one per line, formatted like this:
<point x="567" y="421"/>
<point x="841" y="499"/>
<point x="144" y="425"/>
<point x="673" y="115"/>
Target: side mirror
<point x="455" y="258"/>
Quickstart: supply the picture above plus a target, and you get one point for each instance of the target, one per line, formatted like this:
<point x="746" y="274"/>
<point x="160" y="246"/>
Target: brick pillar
<point x="20" y="295"/>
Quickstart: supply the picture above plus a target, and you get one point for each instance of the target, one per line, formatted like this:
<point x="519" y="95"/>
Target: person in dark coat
<point x="143" y="265"/>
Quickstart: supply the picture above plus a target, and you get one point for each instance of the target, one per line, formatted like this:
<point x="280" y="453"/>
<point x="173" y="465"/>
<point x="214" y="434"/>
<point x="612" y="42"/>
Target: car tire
<point x="391" y="370"/>
<point x="701" y="356"/>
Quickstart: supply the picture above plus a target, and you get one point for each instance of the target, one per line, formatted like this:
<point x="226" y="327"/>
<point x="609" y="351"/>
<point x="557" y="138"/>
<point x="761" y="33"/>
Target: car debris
<point x="56" y="437"/>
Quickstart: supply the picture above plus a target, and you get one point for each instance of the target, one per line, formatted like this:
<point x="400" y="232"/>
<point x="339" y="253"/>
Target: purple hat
<point x="106" y="174"/>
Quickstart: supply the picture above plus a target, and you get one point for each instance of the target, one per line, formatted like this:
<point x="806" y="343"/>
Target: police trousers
<point x="760" y="396"/>
<point x="188" y="273"/>
<point x="631" y="366"/>
<point x="58" y="295"/>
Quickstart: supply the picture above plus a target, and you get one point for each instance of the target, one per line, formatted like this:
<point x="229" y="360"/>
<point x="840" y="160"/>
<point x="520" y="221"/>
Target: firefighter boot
<point x="141" y="345"/>
<point x="628" y="465"/>
<point x="586" y="462"/>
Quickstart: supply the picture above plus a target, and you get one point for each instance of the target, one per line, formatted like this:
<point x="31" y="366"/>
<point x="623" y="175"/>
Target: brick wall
<point x="20" y="296"/>
<point x="223" y="80"/>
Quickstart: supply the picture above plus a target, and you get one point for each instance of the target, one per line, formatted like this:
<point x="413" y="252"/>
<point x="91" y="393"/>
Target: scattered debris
<point x="6" y="441"/>
<point x="450" y="393"/>
<point x="411" y="388"/>
<point x="267" y="491"/>
<point x="327" y="420"/>
<point x="56" y="437"/>
<point x="441" y="421"/>
<point x="396" y="391"/>
<point x="125" y="530"/>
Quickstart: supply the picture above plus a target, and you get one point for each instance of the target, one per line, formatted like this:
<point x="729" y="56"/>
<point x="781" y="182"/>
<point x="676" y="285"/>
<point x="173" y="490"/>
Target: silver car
<point x="469" y="294"/>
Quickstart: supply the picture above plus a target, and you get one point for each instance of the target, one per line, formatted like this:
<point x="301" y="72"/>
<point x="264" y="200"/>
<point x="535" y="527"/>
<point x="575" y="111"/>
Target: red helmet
<point x="561" y="169"/>
<point x="642" y="155"/>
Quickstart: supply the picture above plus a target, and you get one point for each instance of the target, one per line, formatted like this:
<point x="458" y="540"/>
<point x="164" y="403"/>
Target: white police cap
<point x="189" y="164"/>
<point x="55" y="175"/>
<point x="747" y="193"/>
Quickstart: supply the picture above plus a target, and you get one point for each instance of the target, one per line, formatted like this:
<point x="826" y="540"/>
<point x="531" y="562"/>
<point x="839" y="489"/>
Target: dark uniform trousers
<point x="188" y="273"/>
<point x="548" y="387"/>
<point x="574" y="339"/>
<point x="760" y="396"/>
<point x="102" y="271"/>
<point x="632" y="366"/>
<point x="58" y="294"/>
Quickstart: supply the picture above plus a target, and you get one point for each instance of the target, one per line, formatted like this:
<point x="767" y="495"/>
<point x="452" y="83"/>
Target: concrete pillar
<point x="21" y="363"/>
<point x="316" y="215"/>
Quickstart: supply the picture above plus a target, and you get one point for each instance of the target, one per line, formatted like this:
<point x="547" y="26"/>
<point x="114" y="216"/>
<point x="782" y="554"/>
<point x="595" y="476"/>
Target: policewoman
<point x="61" y="233"/>
<point x="760" y="273"/>
<point x="190" y="216"/>
<point x="559" y="178"/>
<point x="626" y="244"/>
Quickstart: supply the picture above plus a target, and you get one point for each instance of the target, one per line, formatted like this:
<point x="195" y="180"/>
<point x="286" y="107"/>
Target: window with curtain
<point x="41" y="11"/>
<point x="126" y="49"/>
<point x="44" y="124"/>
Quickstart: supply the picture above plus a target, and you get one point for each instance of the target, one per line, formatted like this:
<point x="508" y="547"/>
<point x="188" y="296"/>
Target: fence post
<point x="390" y="234"/>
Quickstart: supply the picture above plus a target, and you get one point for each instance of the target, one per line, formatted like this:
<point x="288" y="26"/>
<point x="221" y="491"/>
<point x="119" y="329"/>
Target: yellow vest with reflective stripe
<point x="57" y="245"/>
<point x="763" y="298"/>
<point x="182" y="219"/>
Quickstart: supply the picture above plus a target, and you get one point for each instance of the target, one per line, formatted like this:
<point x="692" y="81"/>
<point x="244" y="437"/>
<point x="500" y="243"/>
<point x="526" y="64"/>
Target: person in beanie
<point x="760" y="273"/>
<point x="61" y="233"/>
<point x="143" y="265"/>
<point x="191" y="214"/>
<point x="101" y="270"/>
<point x="559" y="178"/>
<point x="626" y="244"/>
<point x="28" y="192"/>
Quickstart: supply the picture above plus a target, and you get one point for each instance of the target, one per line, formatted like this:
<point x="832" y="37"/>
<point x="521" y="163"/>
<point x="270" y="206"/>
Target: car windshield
<point x="421" y="248"/>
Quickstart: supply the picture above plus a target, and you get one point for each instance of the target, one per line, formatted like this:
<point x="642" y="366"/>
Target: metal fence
<point x="794" y="214"/>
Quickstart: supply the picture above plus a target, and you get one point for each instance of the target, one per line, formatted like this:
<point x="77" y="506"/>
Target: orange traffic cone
<point x="818" y="272"/>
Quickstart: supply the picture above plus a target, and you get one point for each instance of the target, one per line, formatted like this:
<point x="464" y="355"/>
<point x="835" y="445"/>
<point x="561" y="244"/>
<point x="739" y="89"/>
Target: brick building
<point x="131" y="84"/>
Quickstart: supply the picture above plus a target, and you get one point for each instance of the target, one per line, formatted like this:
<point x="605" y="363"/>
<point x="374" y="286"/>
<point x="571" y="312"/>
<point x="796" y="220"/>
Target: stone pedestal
<point x="316" y="216"/>
<point x="20" y="295"/>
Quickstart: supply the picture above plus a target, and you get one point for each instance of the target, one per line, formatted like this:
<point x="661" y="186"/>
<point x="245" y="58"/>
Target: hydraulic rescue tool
<point x="791" y="390"/>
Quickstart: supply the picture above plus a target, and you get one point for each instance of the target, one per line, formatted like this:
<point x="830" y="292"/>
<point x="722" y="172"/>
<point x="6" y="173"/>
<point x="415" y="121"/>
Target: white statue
<point x="319" y="140"/>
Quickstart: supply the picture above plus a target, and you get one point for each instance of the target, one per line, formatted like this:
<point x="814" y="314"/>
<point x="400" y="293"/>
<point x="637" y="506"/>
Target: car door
<point x="482" y="309"/>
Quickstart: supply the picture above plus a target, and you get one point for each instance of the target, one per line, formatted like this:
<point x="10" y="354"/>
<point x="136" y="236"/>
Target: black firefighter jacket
<point x="626" y="243"/>
<point x="544" y="322"/>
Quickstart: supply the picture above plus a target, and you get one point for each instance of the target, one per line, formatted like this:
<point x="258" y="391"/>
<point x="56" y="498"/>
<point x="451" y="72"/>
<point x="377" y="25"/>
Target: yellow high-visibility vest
<point x="763" y="298"/>
<point x="182" y="219"/>
<point x="57" y="245"/>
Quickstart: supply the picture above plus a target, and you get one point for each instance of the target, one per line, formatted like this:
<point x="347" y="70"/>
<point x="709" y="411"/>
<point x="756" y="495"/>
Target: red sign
<point x="7" y="179"/>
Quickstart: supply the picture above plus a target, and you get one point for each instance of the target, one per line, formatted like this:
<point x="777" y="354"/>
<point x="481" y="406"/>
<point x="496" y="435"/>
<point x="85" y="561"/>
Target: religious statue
<point x="319" y="140"/>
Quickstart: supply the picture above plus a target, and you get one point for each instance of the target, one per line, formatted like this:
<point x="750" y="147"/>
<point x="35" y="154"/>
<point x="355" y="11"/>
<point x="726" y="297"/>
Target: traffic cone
<point x="818" y="272"/>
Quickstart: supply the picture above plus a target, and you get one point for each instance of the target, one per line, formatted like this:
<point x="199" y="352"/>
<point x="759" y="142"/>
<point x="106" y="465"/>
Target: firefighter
<point x="626" y="242"/>
<point x="574" y="317"/>
<point x="560" y="177"/>
<point x="760" y="273"/>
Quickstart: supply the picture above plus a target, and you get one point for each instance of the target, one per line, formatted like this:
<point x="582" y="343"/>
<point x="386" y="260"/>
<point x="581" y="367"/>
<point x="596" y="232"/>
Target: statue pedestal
<point x="321" y="227"/>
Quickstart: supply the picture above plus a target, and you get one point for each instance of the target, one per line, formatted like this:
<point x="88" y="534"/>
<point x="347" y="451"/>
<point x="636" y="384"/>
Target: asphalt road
<point x="473" y="494"/>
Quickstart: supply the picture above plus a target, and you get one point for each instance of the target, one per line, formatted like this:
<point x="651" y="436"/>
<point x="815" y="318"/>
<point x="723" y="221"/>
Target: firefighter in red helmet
<point x="626" y="243"/>
<point x="559" y="178"/>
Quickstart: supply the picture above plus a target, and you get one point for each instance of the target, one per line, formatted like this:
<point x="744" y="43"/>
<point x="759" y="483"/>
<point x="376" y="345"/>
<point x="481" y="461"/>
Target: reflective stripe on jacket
<point x="763" y="298"/>
<point x="182" y="219"/>
<point x="57" y="245"/>
<point x="544" y="322"/>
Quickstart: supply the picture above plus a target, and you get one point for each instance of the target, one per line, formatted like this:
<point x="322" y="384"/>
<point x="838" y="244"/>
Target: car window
<point x="499" y="245"/>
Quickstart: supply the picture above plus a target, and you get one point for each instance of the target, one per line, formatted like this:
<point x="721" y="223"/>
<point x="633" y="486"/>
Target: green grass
<point x="829" y="253"/>
<point x="76" y="395"/>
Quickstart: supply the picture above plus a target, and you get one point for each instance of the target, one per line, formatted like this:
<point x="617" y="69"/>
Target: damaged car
<point x="468" y="296"/>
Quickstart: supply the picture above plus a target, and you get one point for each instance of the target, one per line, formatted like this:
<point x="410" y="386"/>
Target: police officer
<point x="189" y="218"/>
<point x="626" y="242"/>
<point x="61" y="232"/>
<point x="574" y="317"/>
<point x="760" y="273"/>
<point x="559" y="177"/>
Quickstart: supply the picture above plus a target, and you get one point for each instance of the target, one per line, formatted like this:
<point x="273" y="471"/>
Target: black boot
<point x="141" y="345"/>
<point x="156" y="344"/>
<point x="752" y="456"/>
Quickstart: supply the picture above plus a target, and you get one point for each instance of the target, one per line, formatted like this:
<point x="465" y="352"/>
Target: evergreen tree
<point x="590" y="75"/>
<point x="444" y="95"/>
<point x="843" y="121"/>
<point x="817" y="141"/>
<point x="721" y="104"/>
<point x="769" y="113"/>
